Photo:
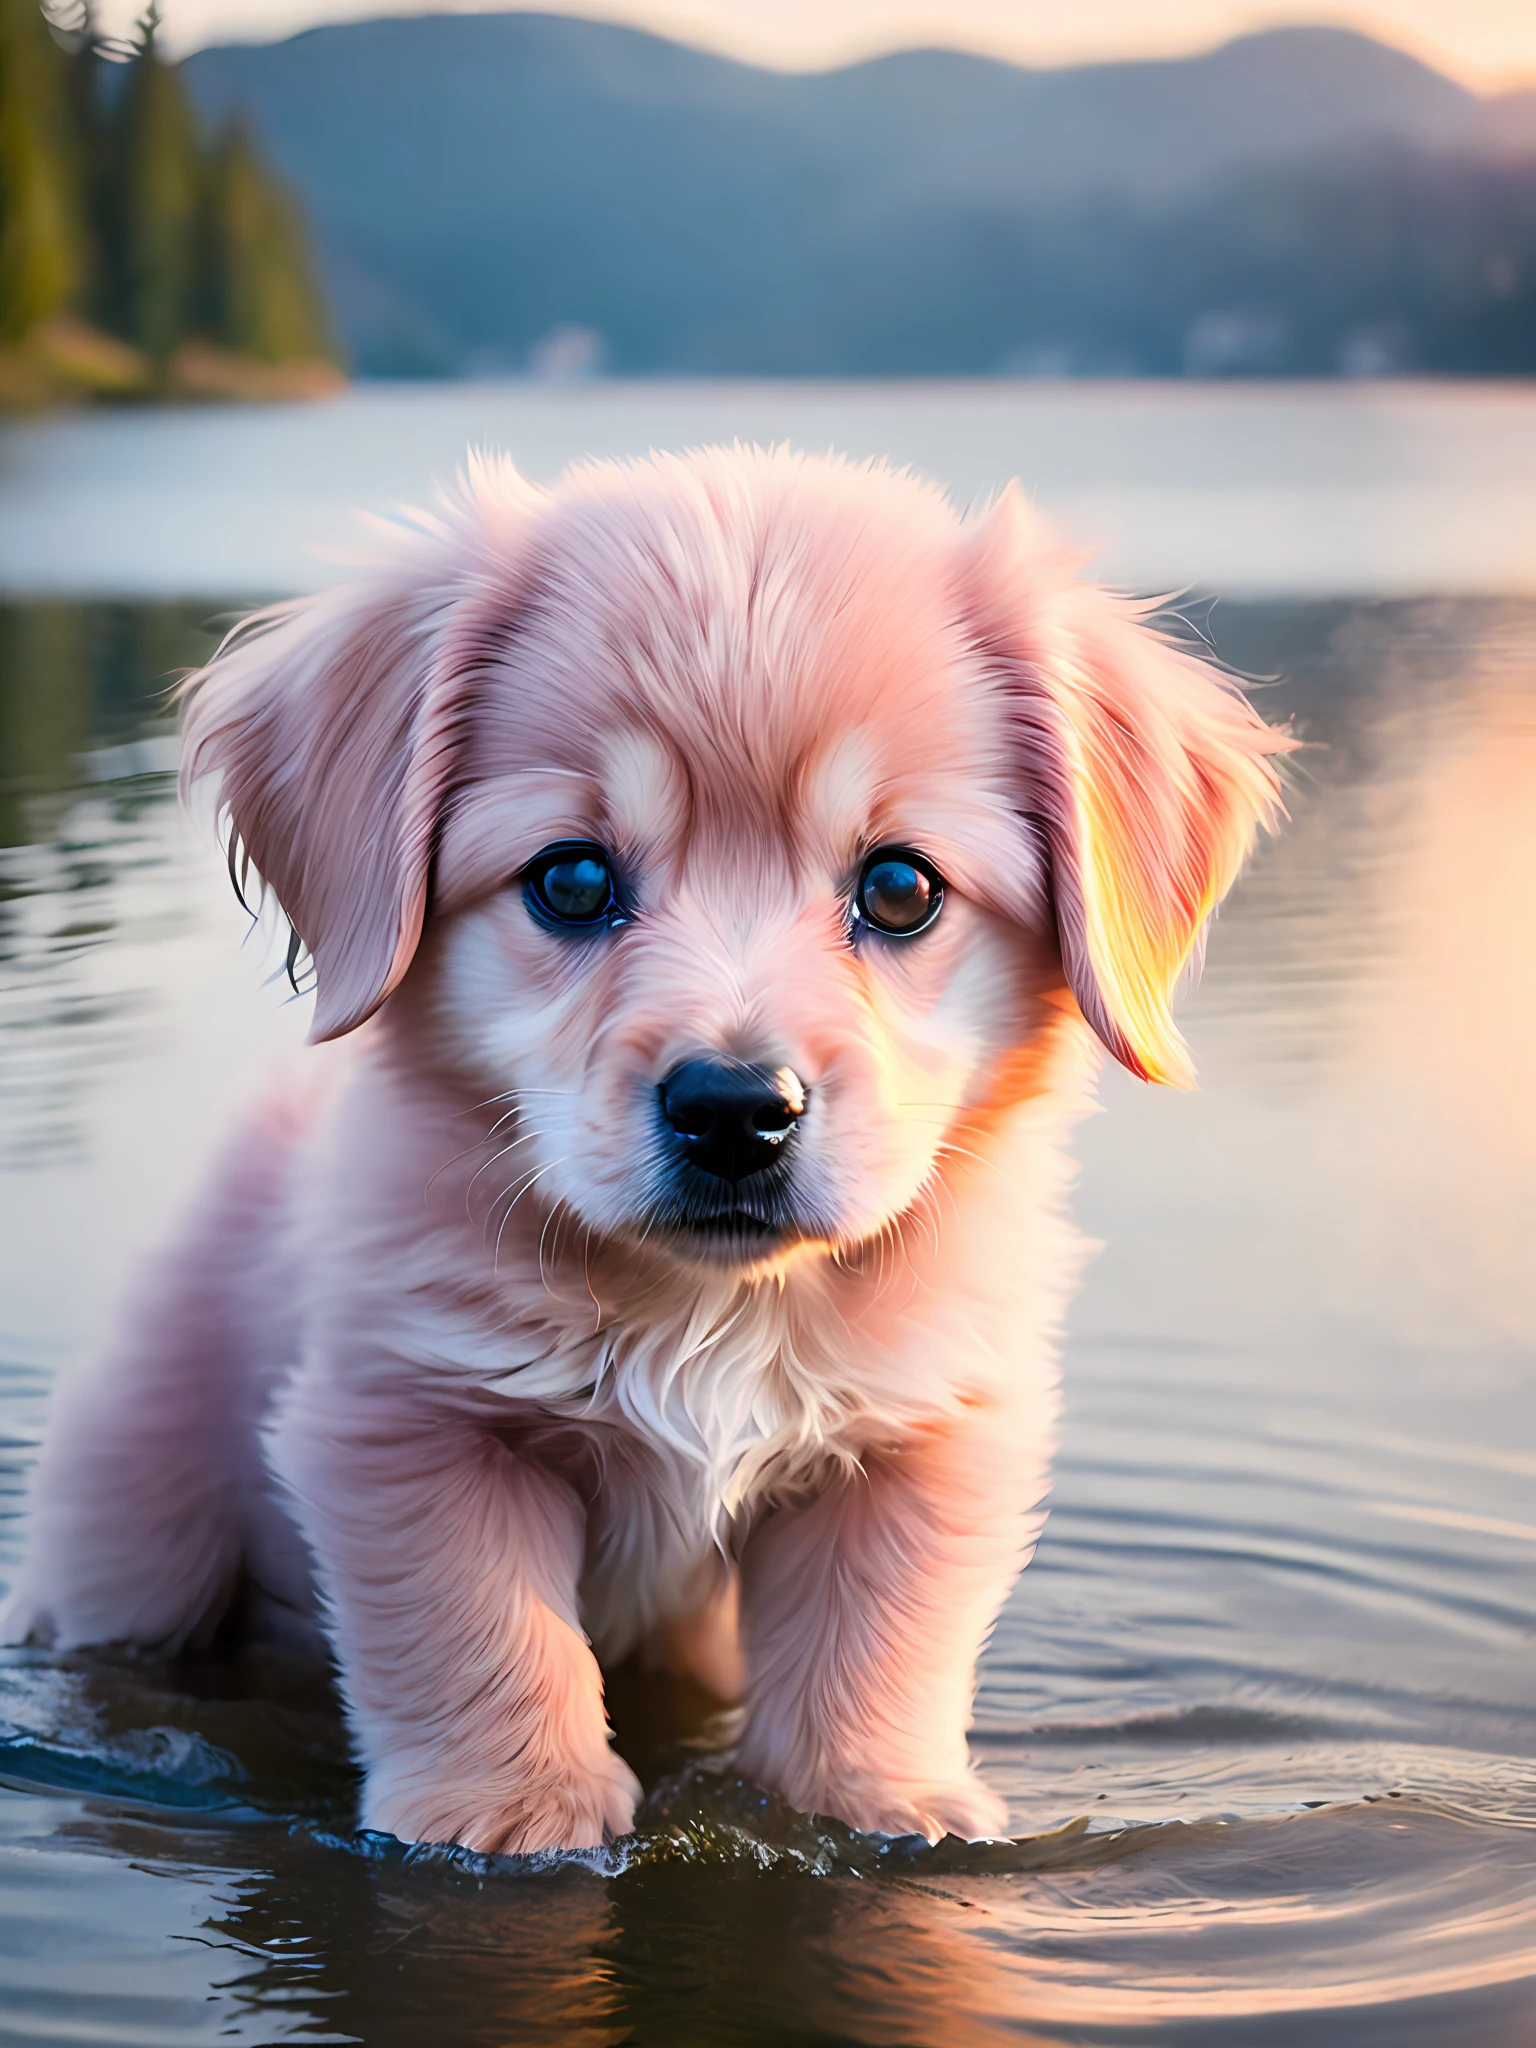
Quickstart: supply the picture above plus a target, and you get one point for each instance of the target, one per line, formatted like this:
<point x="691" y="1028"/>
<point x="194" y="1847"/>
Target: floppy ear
<point x="1145" y="768"/>
<point x="332" y="725"/>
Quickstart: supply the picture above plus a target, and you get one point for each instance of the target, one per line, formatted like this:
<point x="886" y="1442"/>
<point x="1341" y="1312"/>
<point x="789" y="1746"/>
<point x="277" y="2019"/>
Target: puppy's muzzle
<point x="731" y="1120"/>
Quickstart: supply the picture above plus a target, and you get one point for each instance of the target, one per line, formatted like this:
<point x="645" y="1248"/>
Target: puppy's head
<point x="734" y="821"/>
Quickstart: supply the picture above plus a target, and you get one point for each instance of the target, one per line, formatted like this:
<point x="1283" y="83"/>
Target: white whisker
<point x="537" y="1175"/>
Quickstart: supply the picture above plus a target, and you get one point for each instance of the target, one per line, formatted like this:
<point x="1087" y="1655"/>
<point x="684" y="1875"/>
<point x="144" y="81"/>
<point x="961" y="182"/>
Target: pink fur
<point x="421" y="1318"/>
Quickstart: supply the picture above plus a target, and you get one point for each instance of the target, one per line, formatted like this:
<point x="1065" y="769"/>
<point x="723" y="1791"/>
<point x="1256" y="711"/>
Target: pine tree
<point x="94" y="144"/>
<point x="42" y="246"/>
<point x="259" y="293"/>
<point x="111" y="209"/>
<point x="160" y="184"/>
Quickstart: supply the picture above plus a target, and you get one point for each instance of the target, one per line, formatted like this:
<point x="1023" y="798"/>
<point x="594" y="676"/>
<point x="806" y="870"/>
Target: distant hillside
<point x="482" y="182"/>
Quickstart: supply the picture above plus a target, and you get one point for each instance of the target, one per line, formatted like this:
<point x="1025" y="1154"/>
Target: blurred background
<point x="1246" y="295"/>
<point x="456" y="195"/>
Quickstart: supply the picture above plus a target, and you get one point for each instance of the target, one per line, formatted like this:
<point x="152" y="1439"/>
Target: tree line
<point x="136" y="252"/>
<point x="1378" y="261"/>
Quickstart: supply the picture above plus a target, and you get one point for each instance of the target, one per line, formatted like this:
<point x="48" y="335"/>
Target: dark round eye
<point x="570" y="885"/>
<point x="899" y="892"/>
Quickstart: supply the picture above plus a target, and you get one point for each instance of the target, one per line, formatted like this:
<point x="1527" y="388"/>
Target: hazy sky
<point x="1486" y="42"/>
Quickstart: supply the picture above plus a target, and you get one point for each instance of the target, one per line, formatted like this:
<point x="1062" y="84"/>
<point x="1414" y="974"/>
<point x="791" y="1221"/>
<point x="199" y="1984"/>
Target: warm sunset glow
<point x="1488" y="43"/>
<point x="1446" y="1070"/>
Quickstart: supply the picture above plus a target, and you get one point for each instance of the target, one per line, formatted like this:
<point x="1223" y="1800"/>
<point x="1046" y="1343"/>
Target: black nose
<point x="731" y="1119"/>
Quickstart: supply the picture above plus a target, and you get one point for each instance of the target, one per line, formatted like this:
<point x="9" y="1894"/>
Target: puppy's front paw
<point x="504" y="1817"/>
<point x="961" y="1806"/>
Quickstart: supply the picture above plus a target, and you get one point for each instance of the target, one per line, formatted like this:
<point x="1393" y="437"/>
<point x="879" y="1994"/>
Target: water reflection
<point x="1361" y="1026"/>
<point x="1385" y="696"/>
<point x="1264" y="1707"/>
<point x="87" y="757"/>
<point x="1387" y="1922"/>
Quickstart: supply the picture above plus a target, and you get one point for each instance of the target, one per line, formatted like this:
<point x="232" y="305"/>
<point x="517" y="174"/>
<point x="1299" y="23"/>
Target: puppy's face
<point x="736" y="910"/>
<point x="728" y="822"/>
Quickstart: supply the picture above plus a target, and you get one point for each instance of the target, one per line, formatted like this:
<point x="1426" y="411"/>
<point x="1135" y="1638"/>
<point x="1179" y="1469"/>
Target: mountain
<point x="480" y="183"/>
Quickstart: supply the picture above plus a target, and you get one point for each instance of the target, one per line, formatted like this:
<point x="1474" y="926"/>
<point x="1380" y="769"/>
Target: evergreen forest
<point x="141" y="253"/>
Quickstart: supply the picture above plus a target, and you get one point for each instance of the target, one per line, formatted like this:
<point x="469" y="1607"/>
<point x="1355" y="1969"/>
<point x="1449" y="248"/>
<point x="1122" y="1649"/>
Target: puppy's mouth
<point x="732" y="1238"/>
<point x="730" y="1223"/>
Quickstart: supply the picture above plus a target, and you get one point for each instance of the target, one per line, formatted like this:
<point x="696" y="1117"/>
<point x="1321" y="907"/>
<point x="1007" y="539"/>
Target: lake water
<point x="1354" y="490"/>
<point x="1264" y="1707"/>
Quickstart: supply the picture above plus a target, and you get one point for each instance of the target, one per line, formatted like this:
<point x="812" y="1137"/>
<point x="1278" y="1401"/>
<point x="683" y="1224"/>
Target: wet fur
<point x="422" y="1369"/>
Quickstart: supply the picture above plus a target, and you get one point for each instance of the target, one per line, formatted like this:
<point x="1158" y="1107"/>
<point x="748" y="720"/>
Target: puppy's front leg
<point x="863" y="1614"/>
<point x="450" y="1569"/>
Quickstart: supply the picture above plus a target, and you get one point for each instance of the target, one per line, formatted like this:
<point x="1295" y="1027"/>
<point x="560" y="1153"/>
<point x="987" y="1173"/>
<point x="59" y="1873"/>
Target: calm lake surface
<point x="1264" y="1707"/>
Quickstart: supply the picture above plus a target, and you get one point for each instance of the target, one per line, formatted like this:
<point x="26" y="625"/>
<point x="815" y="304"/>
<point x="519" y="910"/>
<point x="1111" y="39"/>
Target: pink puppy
<point x="722" y="868"/>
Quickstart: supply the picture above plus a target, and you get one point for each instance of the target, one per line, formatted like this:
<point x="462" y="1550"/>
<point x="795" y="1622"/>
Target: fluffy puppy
<point x="722" y="870"/>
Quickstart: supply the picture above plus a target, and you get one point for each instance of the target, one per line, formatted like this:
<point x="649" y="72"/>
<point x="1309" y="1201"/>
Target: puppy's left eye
<point x="571" y="884"/>
<point x="899" y="892"/>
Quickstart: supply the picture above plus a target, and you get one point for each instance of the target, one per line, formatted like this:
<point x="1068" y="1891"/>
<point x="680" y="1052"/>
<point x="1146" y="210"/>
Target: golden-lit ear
<point x="1146" y="770"/>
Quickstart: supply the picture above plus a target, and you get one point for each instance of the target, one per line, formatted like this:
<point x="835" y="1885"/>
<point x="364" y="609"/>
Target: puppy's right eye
<point x="899" y="893"/>
<point x="571" y="884"/>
